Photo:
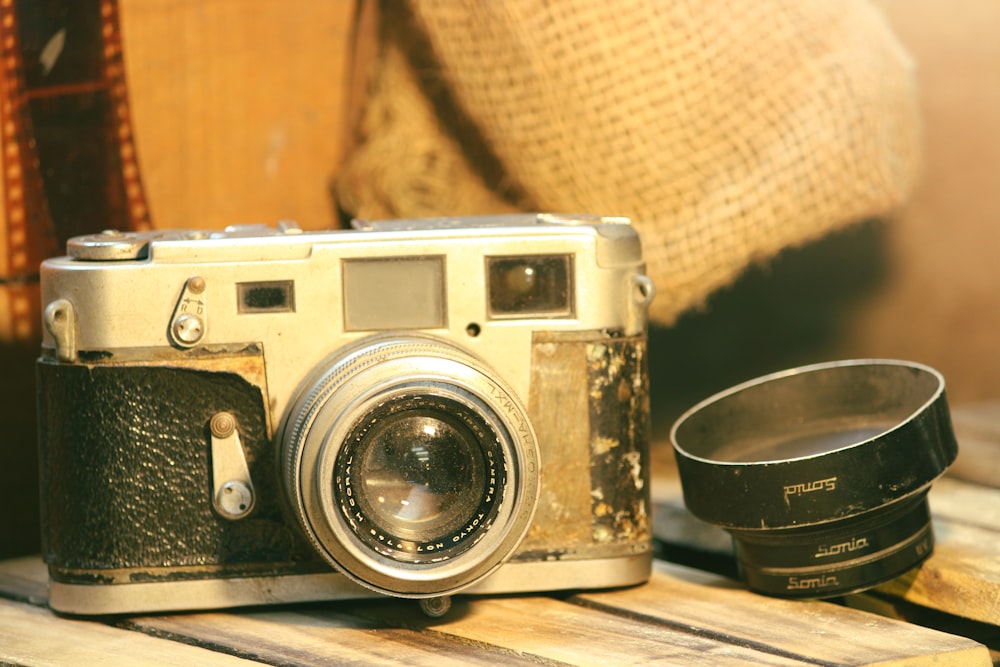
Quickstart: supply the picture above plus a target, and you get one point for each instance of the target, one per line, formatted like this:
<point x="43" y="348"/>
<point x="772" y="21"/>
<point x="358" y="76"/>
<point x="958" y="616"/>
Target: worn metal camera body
<point x="410" y="408"/>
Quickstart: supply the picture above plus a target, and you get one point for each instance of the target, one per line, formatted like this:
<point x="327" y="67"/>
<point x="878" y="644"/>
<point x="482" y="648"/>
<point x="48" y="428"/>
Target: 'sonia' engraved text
<point x="828" y="484"/>
<point x="855" y="544"/>
<point x="807" y="583"/>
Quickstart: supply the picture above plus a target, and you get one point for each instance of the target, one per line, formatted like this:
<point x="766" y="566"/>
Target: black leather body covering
<point x="126" y="476"/>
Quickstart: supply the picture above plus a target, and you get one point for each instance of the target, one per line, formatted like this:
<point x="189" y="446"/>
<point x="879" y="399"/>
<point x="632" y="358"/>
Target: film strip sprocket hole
<point x="69" y="157"/>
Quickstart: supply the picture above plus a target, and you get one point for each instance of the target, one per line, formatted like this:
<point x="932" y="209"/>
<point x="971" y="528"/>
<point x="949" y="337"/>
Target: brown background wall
<point x="247" y="124"/>
<point x="941" y="300"/>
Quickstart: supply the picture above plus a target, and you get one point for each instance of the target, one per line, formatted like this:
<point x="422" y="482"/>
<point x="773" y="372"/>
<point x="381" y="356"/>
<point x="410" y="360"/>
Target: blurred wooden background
<point x="241" y="114"/>
<point x="924" y="286"/>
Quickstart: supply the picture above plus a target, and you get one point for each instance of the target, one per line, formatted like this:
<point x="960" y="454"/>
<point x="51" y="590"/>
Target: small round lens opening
<point x="421" y="473"/>
<point x="419" y="477"/>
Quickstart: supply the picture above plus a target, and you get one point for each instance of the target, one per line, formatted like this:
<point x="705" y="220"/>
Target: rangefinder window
<point x="530" y="286"/>
<point x="266" y="297"/>
<point x="394" y="293"/>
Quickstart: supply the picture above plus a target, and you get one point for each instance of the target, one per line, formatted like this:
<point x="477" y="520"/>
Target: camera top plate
<point x="113" y="245"/>
<point x="487" y="221"/>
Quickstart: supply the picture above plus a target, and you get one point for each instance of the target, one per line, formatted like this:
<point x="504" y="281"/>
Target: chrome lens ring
<point x="341" y="414"/>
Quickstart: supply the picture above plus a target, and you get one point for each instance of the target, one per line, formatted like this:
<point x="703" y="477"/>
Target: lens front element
<point x="420" y="478"/>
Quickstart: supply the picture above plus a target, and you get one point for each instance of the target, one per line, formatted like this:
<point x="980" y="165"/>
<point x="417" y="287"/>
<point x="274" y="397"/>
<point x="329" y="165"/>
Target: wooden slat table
<point x="683" y="616"/>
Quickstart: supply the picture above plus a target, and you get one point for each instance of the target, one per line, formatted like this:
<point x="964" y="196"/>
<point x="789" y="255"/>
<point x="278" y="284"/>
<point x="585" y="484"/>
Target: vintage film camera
<point x="411" y="408"/>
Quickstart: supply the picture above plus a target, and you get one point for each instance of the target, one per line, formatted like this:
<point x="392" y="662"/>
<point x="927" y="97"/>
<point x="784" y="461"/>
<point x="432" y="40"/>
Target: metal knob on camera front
<point x="820" y="473"/>
<point x="233" y="496"/>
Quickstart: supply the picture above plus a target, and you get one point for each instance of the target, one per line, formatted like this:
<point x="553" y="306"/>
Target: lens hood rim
<point x="842" y="482"/>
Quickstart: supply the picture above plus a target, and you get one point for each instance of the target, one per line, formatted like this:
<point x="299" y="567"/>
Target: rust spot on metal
<point x="590" y="408"/>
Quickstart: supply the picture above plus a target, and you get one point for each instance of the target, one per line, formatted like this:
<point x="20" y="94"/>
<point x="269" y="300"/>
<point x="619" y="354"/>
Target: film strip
<point x="28" y="233"/>
<point x="68" y="146"/>
<point x="114" y="74"/>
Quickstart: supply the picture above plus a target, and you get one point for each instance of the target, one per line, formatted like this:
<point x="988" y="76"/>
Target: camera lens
<point x="820" y="473"/>
<point x="425" y="473"/>
<point x="411" y="466"/>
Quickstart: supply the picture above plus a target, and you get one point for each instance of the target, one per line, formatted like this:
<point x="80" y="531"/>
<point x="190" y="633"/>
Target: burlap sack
<point x="727" y="130"/>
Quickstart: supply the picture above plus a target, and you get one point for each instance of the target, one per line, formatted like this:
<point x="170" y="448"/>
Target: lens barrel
<point x="412" y="468"/>
<point x="820" y="473"/>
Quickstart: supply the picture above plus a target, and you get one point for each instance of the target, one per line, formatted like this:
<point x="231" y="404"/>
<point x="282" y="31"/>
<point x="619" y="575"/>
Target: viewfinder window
<point x="266" y="297"/>
<point x="529" y="286"/>
<point x="394" y="293"/>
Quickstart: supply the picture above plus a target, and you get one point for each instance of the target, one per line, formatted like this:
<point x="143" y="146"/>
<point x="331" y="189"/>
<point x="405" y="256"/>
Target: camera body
<point x="411" y="408"/>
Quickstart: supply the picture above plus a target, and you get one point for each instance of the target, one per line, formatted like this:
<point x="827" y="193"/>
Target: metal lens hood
<point x="820" y="473"/>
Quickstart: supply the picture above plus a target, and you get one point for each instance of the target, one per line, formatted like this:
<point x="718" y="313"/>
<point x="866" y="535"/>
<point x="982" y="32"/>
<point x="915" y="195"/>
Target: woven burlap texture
<point x="727" y="130"/>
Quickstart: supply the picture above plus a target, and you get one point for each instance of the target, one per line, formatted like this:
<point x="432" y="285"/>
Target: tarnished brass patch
<point x="619" y="439"/>
<point x="589" y="404"/>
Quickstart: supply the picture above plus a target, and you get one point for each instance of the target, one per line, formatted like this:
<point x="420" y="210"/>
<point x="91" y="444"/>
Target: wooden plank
<point x="480" y="631"/>
<point x="304" y="635"/>
<point x="682" y="616"/>
<point x="875" y="602"/>
<point x="957" y="501"/>
<point x="34" y="636"/>
<point x="682" y="538"/>
<point x="516" y="630"/>
<point x="550" y="630"/>
<point x="962" y="576"/>
<point x="816" y="632"/>
<point x="25" y="580"/>
<point x="977" y="427"/>
<point x="320" y="635"/>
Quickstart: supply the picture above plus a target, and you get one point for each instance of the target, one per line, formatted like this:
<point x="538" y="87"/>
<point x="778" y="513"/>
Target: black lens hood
<point x="811" y="468"/>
